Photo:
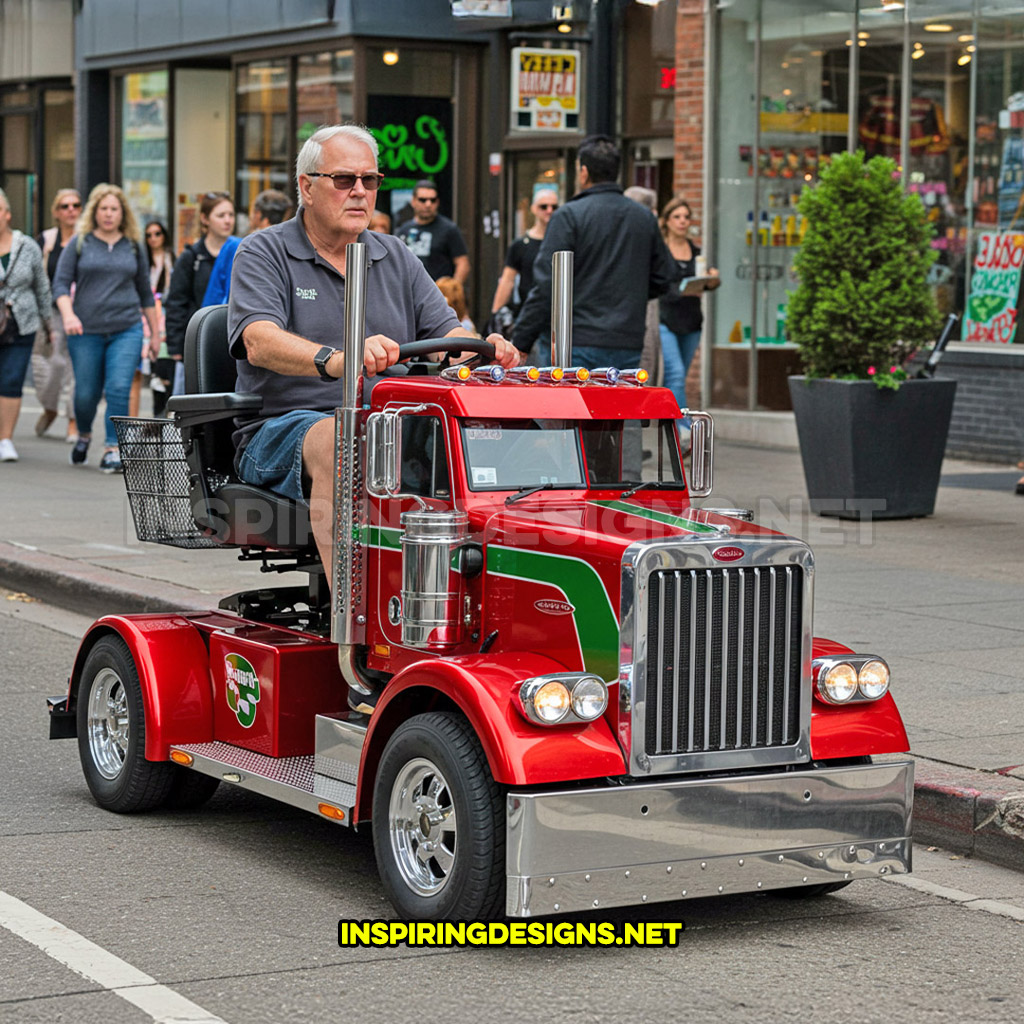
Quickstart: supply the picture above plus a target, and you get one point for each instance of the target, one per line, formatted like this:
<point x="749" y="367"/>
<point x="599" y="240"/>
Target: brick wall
<point x="988" y="412"/>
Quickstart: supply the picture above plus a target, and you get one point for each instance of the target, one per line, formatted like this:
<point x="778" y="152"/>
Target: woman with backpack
<point x="193" y="267"/>
<point x="110" y="273"/>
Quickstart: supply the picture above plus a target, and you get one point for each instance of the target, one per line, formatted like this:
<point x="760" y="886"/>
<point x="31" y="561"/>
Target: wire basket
<point x="156" y="478"/>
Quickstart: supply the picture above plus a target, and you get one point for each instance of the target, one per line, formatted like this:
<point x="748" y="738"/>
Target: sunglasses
<point x="425" y="199"/>
<point x="343" y="182"/>
<point x="154" y="234"/>
<point x="547" y="206"/>
<point x="69" y="206"/>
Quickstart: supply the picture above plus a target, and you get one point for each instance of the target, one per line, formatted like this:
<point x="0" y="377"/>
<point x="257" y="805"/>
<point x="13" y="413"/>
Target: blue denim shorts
<point x="273" y="456"/>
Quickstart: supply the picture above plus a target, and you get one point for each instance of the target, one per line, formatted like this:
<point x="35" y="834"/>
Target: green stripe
<point x="596" y="623"/>
<point x="659" y="517"/>
<point x="381" y="537"/>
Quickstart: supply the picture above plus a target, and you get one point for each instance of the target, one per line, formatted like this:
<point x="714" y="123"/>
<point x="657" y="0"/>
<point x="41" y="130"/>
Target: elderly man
<point x="287" y="311"/>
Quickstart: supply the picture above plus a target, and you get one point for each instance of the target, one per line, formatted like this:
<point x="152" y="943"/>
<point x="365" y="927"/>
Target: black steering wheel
<point x="483" y="351"/>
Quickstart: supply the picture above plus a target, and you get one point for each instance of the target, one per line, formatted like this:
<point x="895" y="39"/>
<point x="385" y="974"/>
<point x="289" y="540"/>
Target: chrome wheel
<point x="423" y="827"/>
<point x="107" y="723"/>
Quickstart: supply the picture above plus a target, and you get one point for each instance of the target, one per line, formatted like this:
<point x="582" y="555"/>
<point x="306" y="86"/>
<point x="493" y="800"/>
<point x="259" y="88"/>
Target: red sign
<point x="667" y="79"/>
<point x="727" y="554"/>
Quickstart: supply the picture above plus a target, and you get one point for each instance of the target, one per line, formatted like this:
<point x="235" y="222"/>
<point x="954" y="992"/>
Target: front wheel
<point x="438" y="822"/>
<point x="112" y="733"/>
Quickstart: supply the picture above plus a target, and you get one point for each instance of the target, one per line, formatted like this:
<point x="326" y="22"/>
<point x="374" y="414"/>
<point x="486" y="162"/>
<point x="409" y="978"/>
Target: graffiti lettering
<point x="425" y="154"/>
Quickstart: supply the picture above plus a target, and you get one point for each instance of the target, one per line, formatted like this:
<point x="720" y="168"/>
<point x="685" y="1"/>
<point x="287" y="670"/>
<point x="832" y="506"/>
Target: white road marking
<point x="965" y="899"/>
<point x="95" y="964"/>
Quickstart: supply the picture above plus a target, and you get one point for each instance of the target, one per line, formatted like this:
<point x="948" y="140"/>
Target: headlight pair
<point x="563" y="696"/>
<point x="855" y="677"/>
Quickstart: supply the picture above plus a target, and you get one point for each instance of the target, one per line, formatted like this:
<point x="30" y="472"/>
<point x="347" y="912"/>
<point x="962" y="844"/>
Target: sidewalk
<point x="941" y="599"/>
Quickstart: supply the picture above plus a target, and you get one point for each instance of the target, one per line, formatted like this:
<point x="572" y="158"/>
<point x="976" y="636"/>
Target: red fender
<point x="854" y="730"/>
<point x="482" y="686"/>
<point x="171" y="660"/>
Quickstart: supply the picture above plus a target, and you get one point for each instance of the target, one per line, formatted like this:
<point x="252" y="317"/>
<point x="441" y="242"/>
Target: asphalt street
<point x="235" y="908"/>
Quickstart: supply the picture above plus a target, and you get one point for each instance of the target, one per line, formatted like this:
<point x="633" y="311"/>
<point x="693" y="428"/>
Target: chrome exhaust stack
<point x="348" y="597"/>
<point x="561" y="308"/>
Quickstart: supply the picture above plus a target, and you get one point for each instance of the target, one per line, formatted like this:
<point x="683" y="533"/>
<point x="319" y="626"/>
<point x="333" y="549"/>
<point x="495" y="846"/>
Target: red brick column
<point x="688" y="177"/>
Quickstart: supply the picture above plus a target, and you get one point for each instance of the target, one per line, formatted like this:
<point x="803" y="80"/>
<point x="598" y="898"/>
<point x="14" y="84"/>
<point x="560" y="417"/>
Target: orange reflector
<point x="557" y="373"/>
<point x="641" y="376"/>
<point x="464" y="372"/>
<point x="180" y="757"/>
<point x="532" y="373"/>
<point x="583" y="373"/>
<point x="382" y="650"/>
<point x="329" y="811"/>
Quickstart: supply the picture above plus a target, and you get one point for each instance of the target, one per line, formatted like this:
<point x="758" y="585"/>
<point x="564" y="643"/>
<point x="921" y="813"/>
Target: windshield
<point x="506" y="455"/>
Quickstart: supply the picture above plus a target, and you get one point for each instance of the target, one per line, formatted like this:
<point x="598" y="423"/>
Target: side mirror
<point x="702" y="444"/>
<point x="384" y="453"/>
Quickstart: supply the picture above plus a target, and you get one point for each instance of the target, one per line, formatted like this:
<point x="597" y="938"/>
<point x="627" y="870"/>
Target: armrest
<point x="194" y="410"/>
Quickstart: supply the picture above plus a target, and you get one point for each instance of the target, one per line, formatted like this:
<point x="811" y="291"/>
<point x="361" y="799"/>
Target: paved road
<point x="230" y="914"/>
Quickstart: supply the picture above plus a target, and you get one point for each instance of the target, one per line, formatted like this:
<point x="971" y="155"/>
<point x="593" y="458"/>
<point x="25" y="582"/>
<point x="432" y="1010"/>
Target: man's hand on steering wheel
<point x="379" y="352"/>
<point x="505" y="353"/>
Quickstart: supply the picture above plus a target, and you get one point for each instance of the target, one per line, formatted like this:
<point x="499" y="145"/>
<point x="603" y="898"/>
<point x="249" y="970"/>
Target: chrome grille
<point x="723" y="661"/>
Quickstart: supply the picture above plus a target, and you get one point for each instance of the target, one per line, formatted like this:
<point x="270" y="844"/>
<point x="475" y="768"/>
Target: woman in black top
<point x="192" y="268"/>
<point x="681" y="315"/>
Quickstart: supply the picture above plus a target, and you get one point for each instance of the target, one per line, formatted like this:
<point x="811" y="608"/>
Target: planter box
<point x="870" y="453"/>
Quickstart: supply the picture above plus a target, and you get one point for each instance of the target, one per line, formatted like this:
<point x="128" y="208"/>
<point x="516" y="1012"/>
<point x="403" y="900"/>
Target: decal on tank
<point x="597" y="625"/>
<point x="242" y="690"/>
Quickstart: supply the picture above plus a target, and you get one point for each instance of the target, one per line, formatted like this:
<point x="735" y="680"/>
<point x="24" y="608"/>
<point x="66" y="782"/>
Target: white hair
<point x="312" y="150"/>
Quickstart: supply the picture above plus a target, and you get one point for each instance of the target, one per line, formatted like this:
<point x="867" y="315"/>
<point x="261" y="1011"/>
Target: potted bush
<point x="871" y="439"/>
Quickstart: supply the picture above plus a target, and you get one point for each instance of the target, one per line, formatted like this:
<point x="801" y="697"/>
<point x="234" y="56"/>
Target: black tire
<point x="190" y="789"/>
<point x="436" y="758"/>
<point x="809" y="892"/>
<point x="112" y="733"/>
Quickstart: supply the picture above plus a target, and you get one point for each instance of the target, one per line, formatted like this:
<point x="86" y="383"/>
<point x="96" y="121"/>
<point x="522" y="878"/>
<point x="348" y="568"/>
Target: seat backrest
<point x="209" y="367"/>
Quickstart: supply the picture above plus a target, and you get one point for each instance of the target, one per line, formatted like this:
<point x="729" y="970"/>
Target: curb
<point x="90" y="590"/>
<point x="968" y="812"/>
<point x="972" y="813"/>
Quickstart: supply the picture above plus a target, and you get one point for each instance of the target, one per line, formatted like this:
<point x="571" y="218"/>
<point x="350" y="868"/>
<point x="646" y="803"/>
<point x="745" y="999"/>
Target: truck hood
<point x="548" y="559"/>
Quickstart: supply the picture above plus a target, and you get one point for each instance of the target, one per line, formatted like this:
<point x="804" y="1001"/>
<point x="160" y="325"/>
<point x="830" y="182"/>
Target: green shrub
<point x="862" y="301"/>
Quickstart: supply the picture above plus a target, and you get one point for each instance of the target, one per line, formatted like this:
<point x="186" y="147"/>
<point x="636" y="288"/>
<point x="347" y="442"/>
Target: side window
<point x="424" y="457"/>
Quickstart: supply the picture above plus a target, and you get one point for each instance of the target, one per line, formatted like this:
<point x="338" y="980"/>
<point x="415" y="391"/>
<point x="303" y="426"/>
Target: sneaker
<point x="71" y="439"/>
<point x="79" y="452"/>
<point x="8" y="453"/>
<point x="111" y="462"/>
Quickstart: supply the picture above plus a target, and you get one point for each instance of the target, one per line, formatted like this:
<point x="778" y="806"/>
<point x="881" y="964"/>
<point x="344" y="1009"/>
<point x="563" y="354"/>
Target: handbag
<point x="8" y="326"/>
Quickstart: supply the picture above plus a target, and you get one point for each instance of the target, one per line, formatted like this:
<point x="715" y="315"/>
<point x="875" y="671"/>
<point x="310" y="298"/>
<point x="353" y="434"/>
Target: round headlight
<point x="551" y="701"/>
<point x="589" y="698"/>
<point x="873" y="679"/>
<point x="840" y="682"/>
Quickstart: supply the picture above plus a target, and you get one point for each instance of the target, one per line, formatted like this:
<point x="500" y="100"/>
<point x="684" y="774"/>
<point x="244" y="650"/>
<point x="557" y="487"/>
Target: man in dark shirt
<point x="620" y="261"/>
<point x="433" y="238"/>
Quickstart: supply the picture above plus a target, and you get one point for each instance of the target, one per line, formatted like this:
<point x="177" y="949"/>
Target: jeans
<point x="273" y="456"/>
<point x="677" y="351"/>
<point x="104" y="363"/>
<point x="13" y="364"/>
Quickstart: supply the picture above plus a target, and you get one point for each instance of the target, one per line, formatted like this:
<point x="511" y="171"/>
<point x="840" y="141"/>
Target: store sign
<point x="995" y="284"/>
<point x="545" y="90"/>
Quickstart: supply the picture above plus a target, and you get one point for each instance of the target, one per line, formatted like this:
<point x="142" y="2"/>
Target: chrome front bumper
<point x="620" y="845"/>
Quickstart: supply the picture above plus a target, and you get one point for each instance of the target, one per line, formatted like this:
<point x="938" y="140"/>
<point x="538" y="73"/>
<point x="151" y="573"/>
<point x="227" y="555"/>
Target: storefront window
<point x="144" y="131"/>
<point x="531" y="173"/>
<point x="263" y="154"/>
<point x="323" y="91"/>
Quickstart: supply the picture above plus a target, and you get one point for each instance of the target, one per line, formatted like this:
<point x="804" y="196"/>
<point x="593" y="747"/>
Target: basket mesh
<point x="156" y="478"/>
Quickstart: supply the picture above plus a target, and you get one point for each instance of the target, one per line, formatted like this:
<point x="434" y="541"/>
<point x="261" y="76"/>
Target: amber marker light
<point x="330" y="811"/>
<point x="555" y="373"/>
<point x="180" y="757"/>
<point x="463" y="373"/>
<point x="582" y="374"/>
<point x="529" y="373"/>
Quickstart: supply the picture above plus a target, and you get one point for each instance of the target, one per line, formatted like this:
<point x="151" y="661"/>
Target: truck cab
<point x="544" y="678"/>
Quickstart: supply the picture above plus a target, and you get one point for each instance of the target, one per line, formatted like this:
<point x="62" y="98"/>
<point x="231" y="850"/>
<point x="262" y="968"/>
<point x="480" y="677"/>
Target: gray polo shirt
<point x="279" y="276"/>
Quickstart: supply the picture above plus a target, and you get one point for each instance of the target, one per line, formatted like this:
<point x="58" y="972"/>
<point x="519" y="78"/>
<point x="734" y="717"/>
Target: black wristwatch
<point x="321" y="359"/>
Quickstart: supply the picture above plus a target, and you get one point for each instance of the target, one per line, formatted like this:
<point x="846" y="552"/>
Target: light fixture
<point x="964" y="59"/>
<point x="917" y="53"/>
<point x="937" y="26"/>
<point x="863" y="35"/>
<point x="971" y="48"/>
<point x="862" y="42"/>
<point x="564" y="26"/>
<point x="968" y="38"/>
<point x="390" y="57"/>
<point x="787" y="92"/>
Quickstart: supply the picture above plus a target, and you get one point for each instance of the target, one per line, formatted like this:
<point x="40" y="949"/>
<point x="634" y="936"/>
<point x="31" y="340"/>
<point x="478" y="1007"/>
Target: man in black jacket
<point x="620" y="261"/>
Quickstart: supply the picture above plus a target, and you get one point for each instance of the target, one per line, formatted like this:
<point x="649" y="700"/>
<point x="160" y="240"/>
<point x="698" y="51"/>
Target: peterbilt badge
<point x="552" y="607"/>
<point x="727" y="554"/>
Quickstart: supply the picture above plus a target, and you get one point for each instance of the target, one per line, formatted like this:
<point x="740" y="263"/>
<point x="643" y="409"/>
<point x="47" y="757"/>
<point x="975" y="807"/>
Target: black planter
<point x="869" y="452"/>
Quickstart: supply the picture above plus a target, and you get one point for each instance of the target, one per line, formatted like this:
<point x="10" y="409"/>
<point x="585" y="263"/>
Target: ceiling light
<point x="964" y="59"/>
<point x="971" y="48"/>
<point x="564" y="26"/>
<point x="965" y="38"/>
<point x="936" y="26"/>
<point x="863" y="35"/>
<point x="862" y="42"/>
<point x="390" y="57"/>
<point x="916" y="54"/>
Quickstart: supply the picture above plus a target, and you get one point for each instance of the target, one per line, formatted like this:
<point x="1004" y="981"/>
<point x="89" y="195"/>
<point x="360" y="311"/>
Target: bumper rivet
<point x="684" y="892"/>
<point x="721" y="888"/>
<point x="627" y="874"/>
<point x="846" y="874"/>
<point x="821" y="854"/>
<point x="883" y="870"/>
<point x="557" y="906"/>
<point x="781" y="858"/>
<point x="586" y="878"/>
<point x="740" y="862"/>
<point x="853" y="849"/>
<point x="643" y="899"/>
<point x="703" y="865"/>
<point x="805" y="878"/>
<point x="551" y="881"/>
<point x="668" y="870"/>
<point x="759" y="885"/>
<point x="596" y="903"/>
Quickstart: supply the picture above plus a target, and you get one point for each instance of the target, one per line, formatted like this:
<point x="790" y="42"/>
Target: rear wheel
<point x="438" y="822"/>
<point x="112" y="733"/>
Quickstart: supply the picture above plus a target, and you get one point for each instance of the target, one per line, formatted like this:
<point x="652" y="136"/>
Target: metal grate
<point x="156" y="478"/>
<point x="723" y="659"/>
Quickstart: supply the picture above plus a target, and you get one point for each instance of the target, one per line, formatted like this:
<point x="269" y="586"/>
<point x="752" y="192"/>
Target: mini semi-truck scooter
<point x="543" y="678"/>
